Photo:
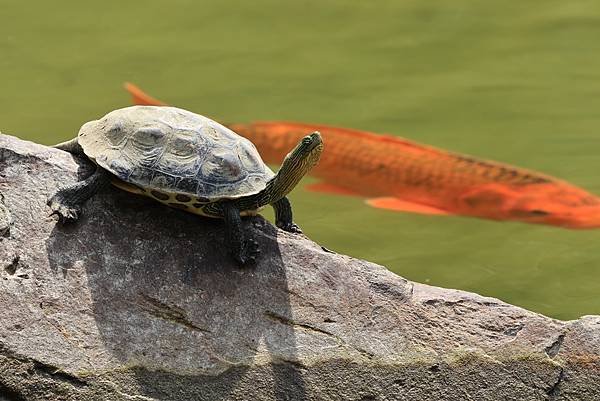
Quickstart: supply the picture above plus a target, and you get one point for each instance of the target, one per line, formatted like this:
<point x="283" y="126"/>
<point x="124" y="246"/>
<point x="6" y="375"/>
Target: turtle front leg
<point x="244" y="250"/>
<point x="283" y="216"/>
<point x="67" y="202"/>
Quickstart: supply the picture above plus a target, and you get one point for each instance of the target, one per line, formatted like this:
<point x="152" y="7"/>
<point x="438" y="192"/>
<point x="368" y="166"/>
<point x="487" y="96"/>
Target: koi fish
<point x="396" y="174"/>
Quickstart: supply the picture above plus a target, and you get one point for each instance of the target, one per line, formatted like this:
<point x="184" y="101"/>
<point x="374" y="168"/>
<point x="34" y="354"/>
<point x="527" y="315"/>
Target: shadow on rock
<point x="172" y="309"/>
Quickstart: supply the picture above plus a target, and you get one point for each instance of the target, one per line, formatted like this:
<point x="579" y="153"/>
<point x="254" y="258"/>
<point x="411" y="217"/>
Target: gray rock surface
<point x="5" y="219"/>
<point x="142" y="302"/>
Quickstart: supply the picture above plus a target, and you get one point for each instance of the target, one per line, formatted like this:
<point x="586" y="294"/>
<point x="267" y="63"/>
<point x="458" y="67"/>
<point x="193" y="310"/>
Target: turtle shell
<point x="175" y="151"/>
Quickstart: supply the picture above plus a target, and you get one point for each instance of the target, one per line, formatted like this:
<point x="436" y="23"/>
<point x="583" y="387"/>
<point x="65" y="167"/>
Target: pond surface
<point x="517" y="82"/>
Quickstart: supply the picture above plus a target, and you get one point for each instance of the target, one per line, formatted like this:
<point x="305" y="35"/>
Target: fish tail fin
<point x="139" y="97"/>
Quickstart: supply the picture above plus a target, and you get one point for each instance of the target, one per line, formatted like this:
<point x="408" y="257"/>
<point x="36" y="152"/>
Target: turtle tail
<point x="71" y="146"/>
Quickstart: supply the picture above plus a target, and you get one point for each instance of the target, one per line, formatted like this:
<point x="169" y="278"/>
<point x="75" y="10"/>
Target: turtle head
<point x="306" y="154"/>
<point x="295" y="165"/>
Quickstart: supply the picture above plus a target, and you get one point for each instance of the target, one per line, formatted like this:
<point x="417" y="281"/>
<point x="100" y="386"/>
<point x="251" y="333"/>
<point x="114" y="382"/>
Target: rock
<point x="5" y="218"/>
<point x="141" y="302"/>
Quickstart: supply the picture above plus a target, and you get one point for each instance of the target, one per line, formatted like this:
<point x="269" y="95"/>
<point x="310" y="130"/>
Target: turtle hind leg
<point x="66" y="202"/>
<point x="244" y="250"/>
<point x="283" y="216"/>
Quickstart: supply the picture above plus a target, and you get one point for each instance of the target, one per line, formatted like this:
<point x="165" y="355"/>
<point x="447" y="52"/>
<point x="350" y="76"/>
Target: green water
<point x="515" y="81"/>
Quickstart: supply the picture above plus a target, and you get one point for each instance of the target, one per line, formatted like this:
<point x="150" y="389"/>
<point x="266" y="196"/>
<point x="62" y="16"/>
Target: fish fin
<point x="490" y="196"/>
<point x="399" y="205"/>
<point x="324" y="187"/>
<point x="140" y="97"/>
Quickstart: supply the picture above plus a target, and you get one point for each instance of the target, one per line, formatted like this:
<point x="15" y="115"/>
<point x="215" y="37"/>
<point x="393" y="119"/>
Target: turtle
<point x="186" y="161"/>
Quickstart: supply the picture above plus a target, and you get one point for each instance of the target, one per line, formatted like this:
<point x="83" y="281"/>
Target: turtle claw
<point x="249" y="253"/>
<point x="290" y="227"/>
<point x="66" y="214"/>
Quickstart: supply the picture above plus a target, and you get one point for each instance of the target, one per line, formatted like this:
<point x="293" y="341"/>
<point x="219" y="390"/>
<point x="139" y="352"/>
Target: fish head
<point x="556" y="204"/>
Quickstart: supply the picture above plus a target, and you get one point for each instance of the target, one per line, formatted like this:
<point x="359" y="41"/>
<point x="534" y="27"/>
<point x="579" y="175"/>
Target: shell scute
<point x="187" y="185"/>
<point x="184" y="154"/>
<point x="163" y="181"/>
<point x="140" y="174"/>
<point x="121" y="168"/>
<point x="148" y="140"/>
<point x="115" y="135"/>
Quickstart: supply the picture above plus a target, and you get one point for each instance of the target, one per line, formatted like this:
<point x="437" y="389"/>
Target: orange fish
<point x="401" y="175"/>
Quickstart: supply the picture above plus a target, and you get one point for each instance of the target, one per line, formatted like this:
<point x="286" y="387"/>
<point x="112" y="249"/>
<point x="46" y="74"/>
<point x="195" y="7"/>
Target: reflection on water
<point x="515" y="82"/>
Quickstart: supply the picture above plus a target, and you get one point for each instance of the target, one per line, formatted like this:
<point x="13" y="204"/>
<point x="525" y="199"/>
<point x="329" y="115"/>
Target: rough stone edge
<point x="46" y="379"/>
